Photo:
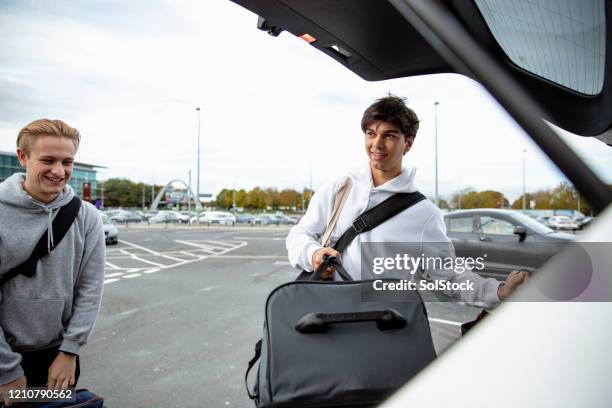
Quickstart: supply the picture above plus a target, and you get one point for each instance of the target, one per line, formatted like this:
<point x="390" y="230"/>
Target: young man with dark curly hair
<point x="389" y="128"/>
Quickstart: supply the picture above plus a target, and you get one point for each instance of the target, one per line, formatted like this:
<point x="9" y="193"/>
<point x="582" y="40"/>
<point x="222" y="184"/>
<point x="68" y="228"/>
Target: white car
<point x="165" y="217"/>
<point x="215" y="217"/>
<point x="561" y="222"/>
<point x="111" y="233"/>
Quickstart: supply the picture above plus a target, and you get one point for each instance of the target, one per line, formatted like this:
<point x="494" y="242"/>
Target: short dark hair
<point x="392" y="109"/>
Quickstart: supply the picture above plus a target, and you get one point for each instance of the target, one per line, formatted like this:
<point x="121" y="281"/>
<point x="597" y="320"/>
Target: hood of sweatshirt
<point x="24" y="219"/>
<point x="404" y="183"/>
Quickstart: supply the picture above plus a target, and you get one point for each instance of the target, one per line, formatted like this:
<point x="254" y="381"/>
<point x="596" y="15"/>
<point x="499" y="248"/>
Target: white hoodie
<point x="421" y="223"/>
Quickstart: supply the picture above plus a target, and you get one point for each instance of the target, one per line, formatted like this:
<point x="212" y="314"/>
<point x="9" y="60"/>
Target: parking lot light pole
<point x="524" y="191"/>
<point x="198" y="175"/>
<point x="436" y="148"/>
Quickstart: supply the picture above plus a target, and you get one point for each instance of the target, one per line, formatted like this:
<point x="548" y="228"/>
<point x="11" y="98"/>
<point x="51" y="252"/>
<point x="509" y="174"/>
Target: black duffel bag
<point x="331" y="344"/>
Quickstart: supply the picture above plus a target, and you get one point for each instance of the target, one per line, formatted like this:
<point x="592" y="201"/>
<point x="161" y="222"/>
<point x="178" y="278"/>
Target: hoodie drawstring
<point x="50" y="243"/>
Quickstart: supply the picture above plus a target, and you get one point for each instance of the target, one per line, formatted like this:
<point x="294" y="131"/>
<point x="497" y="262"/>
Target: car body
<point x="525" y="348"/>
<point x="124" y="216"/>
<point x="244" y="218"/>
<point x="111" y="233"/>
<point x="186" y="216"/>
<point x="583" y="222"/>
<point x="562" y="222"/>
<point x="166" y="217"/>
<point x="265" y="219"/>
<point x="215" y="217"/>
<point x="507" y="240"/>
<point x="147" y="216"/>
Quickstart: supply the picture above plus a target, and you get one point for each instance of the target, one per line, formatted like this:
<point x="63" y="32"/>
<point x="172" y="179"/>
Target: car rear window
<point x="563" y="42"/>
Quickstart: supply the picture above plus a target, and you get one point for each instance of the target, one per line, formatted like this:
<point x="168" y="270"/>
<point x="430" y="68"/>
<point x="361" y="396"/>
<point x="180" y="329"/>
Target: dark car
<point x="506" y="240"/>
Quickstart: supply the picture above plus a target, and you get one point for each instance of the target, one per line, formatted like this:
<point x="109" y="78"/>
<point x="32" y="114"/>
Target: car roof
<point x="374" y="40"/>
<point x="480" y="210"/>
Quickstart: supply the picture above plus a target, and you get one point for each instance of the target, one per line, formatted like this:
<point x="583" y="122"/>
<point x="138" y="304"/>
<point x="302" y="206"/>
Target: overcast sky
<point x="129" y="76"/>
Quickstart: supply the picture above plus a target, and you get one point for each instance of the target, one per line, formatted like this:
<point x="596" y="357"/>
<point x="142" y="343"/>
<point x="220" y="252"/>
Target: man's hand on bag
<point x="18" y="384"/>
<point x="61" y="372"/>
<point x="513" y="281"/>
<point x="317" y="259"/>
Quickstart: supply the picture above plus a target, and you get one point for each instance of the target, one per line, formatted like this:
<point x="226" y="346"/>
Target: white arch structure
<point x="163" y="190"/>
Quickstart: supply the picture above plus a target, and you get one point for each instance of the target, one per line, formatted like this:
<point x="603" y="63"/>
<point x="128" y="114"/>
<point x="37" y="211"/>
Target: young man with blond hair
<point x="46" y="319"/>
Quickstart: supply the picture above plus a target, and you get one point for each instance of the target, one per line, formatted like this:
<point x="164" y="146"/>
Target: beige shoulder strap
<point x="339" y="201"/>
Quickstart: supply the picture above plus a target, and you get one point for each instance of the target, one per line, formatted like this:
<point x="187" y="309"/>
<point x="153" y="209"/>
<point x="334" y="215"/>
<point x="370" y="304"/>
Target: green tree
<point x="255" y="199"/>
<point x="484" y="199"/>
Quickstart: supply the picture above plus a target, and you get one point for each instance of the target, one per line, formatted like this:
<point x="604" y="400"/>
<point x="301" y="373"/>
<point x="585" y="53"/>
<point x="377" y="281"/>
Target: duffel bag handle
<point x="388" y="319"/>
<point x="251" y="364"/>
<point x="334" y="263"/>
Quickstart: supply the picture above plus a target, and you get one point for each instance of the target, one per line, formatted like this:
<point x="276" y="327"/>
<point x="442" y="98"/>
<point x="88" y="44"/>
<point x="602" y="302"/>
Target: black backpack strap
<point x="368" y="220"/>
<point x="60" y="226"/>
<point x="377" y="215"/>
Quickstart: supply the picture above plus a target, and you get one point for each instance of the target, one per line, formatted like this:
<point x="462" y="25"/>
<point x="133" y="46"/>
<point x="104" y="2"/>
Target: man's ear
<point x="22" y="157"/>
<point x="409" y="142"/>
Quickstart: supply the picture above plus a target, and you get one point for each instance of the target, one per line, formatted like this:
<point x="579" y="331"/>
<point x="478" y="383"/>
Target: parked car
<point x="111" y="233"/>
<point x="244" y="218"/>
<point x="186" y="216"/>
<point x="511" y="240"/>
<point x="167" y="217"/>
<point x="558" y="222"/>
<point x="583" y="222"/>
<point x="265" y="219"/>
<point x="216" y="217"/>
<point x="147" y="216"/>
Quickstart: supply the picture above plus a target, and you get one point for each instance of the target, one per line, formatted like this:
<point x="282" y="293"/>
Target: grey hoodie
<point x="60" y="303"/>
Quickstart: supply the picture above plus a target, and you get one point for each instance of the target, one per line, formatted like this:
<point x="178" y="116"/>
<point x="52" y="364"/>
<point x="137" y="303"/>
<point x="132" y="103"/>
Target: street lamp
<point x="436" y="148"/>
<point x="524" y="193"/>
<point x="198" y="175"/>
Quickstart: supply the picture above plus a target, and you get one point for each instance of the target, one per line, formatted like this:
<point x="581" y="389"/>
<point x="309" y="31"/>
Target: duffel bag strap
<point x="334" y="263"/>
<point x="251" y="364"/>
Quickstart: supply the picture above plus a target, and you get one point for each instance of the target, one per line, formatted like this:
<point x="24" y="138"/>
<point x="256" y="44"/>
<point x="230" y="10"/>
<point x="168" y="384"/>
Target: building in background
<point x="83" y="179"/>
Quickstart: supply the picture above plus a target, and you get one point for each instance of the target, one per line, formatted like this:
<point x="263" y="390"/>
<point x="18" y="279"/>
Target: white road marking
<point x="149" y="262"/>
<point x="139" y="247"/>
<point x="217" y="249"/>
<point x="282" y="263"/>
<point x="443" y="321"/>
<point x="223" y="244"/>
<point x="173" y="258"/>
<point x="253" y="256"/>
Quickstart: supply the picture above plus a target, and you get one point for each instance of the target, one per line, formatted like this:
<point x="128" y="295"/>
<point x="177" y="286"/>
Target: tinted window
<point x="460" y="224"/>
<point x="495" y="226"/>
<point x="563" y="42"/>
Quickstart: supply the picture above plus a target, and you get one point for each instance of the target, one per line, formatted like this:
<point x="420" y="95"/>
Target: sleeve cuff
<point x="8" y="376"/>
<point x="310" y="250"/>
<point x="70" y="347"/>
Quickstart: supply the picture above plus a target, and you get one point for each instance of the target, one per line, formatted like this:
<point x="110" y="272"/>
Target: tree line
<point x="120" y="192"/>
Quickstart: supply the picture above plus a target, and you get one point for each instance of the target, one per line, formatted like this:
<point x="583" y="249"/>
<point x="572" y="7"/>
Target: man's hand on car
<point x="317" y="259"/>
<point x="514" y="280"/>
<point x="18" y="384"/>
<point x="61" y="372"/>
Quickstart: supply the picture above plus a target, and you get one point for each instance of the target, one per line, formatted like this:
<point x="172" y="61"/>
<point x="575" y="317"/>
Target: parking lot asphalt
<point x="183" y="308"/>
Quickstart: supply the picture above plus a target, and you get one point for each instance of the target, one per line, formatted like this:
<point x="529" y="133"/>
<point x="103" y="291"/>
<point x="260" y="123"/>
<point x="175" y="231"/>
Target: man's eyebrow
<point x="394" y="131"/>
<point x="48" y="157"/>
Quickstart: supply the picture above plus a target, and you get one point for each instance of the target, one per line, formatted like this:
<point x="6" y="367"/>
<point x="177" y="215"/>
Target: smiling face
<point x="48" y="166"/>
<point x="385" y="146"/>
